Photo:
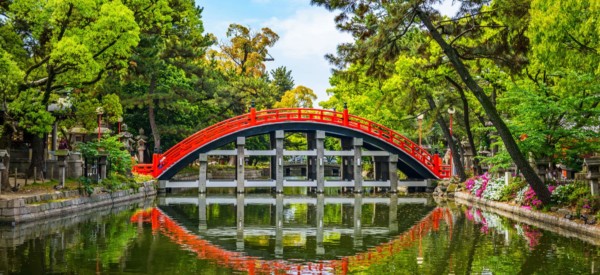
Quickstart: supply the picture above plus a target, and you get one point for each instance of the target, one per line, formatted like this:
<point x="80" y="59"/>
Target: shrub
<point x="510" y="191"/>
<point x="527" y="197"/>
<point x="142" y="178"/>
<point x="118" y="158"/>
<point x="580" y="191"/>
<point x="86" y="185"/>
<point x="562" y="193"/>
<point x="477" y="185"/>
<point x="484" y="187"/>
<point x="494" y="189"/>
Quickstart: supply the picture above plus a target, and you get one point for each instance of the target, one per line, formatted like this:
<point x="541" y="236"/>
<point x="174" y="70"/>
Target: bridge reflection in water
<point x="282" y="234"/>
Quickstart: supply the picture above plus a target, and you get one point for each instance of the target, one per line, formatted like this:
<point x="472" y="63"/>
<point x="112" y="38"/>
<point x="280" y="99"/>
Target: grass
<point x="48" y="186"/>
<point x="47" y="201"/>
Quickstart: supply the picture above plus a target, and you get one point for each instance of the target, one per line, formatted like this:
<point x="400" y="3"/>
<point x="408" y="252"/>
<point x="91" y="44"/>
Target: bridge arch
<point x="413" y="160"/>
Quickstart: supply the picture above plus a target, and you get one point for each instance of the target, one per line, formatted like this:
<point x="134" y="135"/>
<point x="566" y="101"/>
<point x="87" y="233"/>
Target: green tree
<point x="165" y="81"/>
<point x="246" y="51"/>
<point x="241" y="62"/>
<point x="380" y="24"/>
<point x="68" y="44"/>
<point x="10" y="78"/>
<point x="299" y="97"/>
<point x="282" y="78"/>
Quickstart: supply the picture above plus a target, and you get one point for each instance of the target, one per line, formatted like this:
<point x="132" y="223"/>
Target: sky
<point x="306" y="34"/>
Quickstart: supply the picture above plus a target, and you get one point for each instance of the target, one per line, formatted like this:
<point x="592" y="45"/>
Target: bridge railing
<point x="256" y="118"/>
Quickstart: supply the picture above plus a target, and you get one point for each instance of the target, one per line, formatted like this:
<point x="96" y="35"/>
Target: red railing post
<point x="436" y="163"/>
<point x="155" y="158"/>
<point x="345" y="114"/>
<point x="252" y="114"/>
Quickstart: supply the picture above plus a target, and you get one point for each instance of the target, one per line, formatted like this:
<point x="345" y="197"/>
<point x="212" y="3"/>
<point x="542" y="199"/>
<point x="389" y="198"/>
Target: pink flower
<point x="469" y="183"/>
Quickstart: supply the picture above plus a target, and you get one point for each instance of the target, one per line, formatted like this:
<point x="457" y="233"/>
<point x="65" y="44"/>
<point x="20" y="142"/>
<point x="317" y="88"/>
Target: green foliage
<point x="76" y="40"/>
<point x="580" y="192"/>
<point x="509" y="191"/>
<point x="10" y="74"/>
<point x="87" y="185"/>
<point x="32" y="114"/>
<point x="299" y="97"/>
<point x="140" y="178"/>
<point x="562" y="193"/>
<point x="116" y="182"/>
<point x="282" y="79"/>
<point x="117" y="157"/>
<point x="245" y="52"/>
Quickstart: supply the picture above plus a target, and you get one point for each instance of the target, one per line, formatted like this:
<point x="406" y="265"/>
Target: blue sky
<point x="306" y="34"/>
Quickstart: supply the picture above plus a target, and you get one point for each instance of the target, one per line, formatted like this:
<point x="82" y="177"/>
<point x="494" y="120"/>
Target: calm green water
<point x="291" y="234"/>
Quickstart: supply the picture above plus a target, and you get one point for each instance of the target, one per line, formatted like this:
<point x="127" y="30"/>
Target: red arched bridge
<point x="363" y="138"/>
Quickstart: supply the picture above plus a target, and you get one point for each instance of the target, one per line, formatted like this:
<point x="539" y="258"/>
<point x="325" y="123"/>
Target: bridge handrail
<point x="256" y="118"/>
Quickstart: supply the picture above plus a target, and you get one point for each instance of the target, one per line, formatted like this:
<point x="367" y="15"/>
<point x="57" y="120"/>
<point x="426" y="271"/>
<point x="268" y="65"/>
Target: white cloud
<point x="305" y="38"/>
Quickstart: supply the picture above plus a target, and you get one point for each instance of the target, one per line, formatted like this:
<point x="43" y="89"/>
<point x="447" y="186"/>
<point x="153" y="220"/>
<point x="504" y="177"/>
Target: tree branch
<point x="581" y="45"/>
<point x="64" y="24"/>
<point x="107" y="46"/>
<point x="46" y="59"/>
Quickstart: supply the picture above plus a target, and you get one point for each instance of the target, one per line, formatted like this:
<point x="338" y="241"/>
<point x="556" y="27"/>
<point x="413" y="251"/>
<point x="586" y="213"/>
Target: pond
<point x="298" y="234"/>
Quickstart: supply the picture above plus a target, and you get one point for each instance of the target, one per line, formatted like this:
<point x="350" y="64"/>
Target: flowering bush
<point x="520" y="196"/>
<point x="494" y="189"/>
<point x="477" y="184"/>
<point x="528" y="199"/>
<point x="562" y="192"/>
<point x="484" y="187"/>
<point x="509" y="192"/>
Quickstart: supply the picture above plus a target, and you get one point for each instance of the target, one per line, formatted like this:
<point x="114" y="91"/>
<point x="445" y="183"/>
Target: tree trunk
<point x="476" y="165"/>
<point x="151" y="116"/>
<point x="509" y="142"/>
<point x="5" y="143"/>
<point x="460" y="169"/>
<point x="38" y="144"/>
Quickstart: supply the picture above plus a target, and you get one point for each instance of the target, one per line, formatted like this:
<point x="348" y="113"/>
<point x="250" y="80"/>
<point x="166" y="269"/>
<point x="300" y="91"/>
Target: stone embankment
<point x="560" y="225"/>
<point x="35" y="208"/>
<point x="18" y="234"/>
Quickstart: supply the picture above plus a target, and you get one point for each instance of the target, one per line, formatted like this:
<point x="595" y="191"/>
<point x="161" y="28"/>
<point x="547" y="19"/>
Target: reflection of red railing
<point x="162" y="162"/>
<point x="239" y="261"/>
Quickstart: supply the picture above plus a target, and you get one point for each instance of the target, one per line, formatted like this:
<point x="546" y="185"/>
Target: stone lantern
<point x="101" y="172"/>
<point x="61" y="156"/>
<point x="141" y="140"/>
<point x="593" y="173"/>
<point x="468" y="156"/>
<point x="127" y="139"/>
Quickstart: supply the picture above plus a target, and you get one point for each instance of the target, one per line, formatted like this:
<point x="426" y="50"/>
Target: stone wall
<point x="13" y="236"/>
<point x="19" y="160"/>
<point x="542" y="220"/>
<point x="40" y="207"/>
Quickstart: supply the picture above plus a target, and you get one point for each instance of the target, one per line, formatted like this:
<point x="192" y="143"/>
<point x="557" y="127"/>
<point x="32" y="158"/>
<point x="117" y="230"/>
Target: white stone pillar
<point x="358" y="179"/>
<point x="202" y="173"/>
<point x="240" y="176"/>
